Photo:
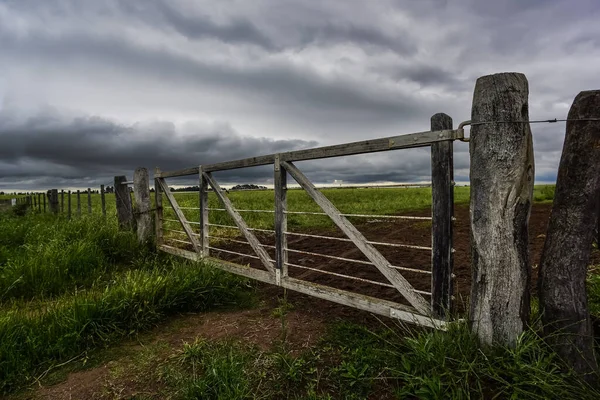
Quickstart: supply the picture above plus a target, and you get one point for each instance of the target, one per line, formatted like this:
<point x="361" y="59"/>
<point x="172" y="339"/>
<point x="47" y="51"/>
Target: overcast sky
<point x="93" y="89"/>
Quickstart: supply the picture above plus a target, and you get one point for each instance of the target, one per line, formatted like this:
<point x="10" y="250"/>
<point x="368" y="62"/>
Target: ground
<point x="129" y="370"/>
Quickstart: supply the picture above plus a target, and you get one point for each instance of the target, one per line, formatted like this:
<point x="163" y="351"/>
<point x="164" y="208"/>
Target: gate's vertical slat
<point x="203" y="193"/>
<point x="442" y="211"/>
<point x="281" y="255"/>
<point x="378" y="260"/>
<point x="158" y="209"/>
<point x="241" y="224"/>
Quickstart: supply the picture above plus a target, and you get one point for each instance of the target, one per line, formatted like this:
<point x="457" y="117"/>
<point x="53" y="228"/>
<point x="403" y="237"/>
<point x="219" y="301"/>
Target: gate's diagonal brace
<point x="241" y="224"/>
<point x="395" y="278"/>
<point x="180" y="216"/>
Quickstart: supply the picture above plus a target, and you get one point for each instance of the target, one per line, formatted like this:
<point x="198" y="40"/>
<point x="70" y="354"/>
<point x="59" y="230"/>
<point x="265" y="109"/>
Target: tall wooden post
<point x="62" y="201"/>
<point x="123" y="201"/>
<point x="54" y="201"/>
<point x="442" y="211"/>
<point x="566" y="254"/>
<point x="34" y="202"/>
<point x="39" y="201"/>
<point x="204" y="227"/>
<point x="44" y="197"/>
<point x="502" y="176"/>
<point x="69" y="205"/>
<point x="141" y="193"/>
<point x="158" y="215"/>
<point x="281" y="254"/>
<point x="78" y="203"/>
<point x="89" y="200"/>
<point x="103" y="200"/>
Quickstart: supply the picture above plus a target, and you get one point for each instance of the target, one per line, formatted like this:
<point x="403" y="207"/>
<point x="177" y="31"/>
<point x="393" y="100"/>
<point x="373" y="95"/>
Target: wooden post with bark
<point x="502" y="177"/>
<point x="123" y="201"/>
<point x="141" y="192"/>
<point x="54" y="208"/>
<point x="78" y="203"/>
<point x="566" y="254"/>
<point x="89" y="200"/>
<point x="103" y="200"/>
<point x="442" y="212"/>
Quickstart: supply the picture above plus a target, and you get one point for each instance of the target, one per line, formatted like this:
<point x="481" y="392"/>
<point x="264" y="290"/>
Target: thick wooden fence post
<point x="78" y="203"/>
<point x="123" y="201"/>
<point x="158" y="215"/>
<point x="89" y="199"/>
<point x="502" y="176"/>
<point x="44" y="195"/>
<point x="566" y="254"/>
<point x="69" y="205"/>
<point x="62" y="200"/>
<point x="39" y="202"/>
<point x="442" y="211"/>
<point x="54" y="201"/>
<point x="34" y="202"/>
<point x="103" y="200"/>
<point x="141" y="192"/>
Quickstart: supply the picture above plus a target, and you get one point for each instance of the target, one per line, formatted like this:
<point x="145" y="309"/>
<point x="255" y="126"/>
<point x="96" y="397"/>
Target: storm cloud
<point x="89" y="90"/>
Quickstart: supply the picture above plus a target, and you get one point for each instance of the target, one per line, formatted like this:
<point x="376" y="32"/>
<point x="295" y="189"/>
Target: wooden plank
<point x="141" y="193"/>
<point x="241" y="224"/>
<point x="233" y="268"/>
<point x="180" y="216"/>
<point x="418" y="139"/>
<point x="281" y="255"/>
<point x="442" y="211"/>
<point x="103" y="200"/>
<point x="395" y="278"/>
<point x="89" y="200"/>
<point x="362" y="302"/>
<point x="179" y="172"/>
<point x="158" y="215"/>
<point x="204" y="227"/>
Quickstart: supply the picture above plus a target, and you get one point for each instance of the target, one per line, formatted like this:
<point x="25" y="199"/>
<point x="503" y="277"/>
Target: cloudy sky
<point x="93" y="89"/>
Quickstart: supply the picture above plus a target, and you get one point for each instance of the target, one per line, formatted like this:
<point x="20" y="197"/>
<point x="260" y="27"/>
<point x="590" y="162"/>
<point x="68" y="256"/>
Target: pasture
<point x="81" y="301"/>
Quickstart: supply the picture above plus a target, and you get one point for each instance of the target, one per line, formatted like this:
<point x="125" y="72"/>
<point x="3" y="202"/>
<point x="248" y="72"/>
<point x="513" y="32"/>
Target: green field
<point x="71" y="291"/>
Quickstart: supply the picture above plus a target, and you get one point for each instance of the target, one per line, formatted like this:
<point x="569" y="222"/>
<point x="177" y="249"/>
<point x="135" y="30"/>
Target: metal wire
<point x="236" y="253"/>
<point x="228" y="239"/>
<point x="419" y="271"/>
<point x="341" y="275"/>
<point x="184" y="221"/>
<point x="332" y="257"/>
<point x="322" y="213"/>
<point x="183" y="208"/>
<point x="180" y="241"/>
<point x="175" y="230"/>
<point x="256" y="211"/>
<point x="223" y="226"/>
<point x="409" y="246"/>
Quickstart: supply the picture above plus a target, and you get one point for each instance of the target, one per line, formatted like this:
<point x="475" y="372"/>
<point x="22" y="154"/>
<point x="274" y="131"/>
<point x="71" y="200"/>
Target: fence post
<point x="442" y="212"/>
<point x="141" y="193"/>
<point x="123" y="200"/>
<point x="158" y="216"/>
<point x="54" y="201"/>
<point x="103" y="200"/>
<point x="34" y="202"/>
<point x="69" y="205"/>
<point x="566" y="254"/>
<point x="89" y="199"/>
<point x="281" y="255"/>
<point x="78" y="203"/>
<point x="44" y="195"/>
<point x="502" y="176"/>
<point x="203" y="193"/>
<point x="62" y="200"/>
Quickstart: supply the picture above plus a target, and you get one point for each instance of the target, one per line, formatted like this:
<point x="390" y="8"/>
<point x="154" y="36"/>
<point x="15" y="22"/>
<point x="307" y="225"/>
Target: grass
<point x="70" y="288"/>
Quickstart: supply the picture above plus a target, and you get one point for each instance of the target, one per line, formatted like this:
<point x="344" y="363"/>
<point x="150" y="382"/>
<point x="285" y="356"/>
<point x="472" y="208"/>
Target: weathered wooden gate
<point x="275" y="271"/>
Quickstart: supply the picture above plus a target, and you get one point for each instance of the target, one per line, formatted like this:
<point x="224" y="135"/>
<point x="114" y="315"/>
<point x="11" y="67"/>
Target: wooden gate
<point x="419" y="310"/>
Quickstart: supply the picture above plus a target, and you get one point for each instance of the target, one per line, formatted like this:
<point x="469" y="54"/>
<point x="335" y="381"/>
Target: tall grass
<point x="32" y="342"/>
<point x="43" y="256"/>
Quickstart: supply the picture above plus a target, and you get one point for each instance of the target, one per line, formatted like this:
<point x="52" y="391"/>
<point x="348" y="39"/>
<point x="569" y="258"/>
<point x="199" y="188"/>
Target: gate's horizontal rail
<point x="355" y="278"/>
<point x="418" y="139"/>
<point x="322" y="213"/>
<point x="371" y="304"/>
<point x="234" y="252"/>
<point x="409" y="246"/>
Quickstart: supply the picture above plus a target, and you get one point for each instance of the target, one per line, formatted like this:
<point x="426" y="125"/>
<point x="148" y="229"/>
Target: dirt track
<point x="393" y="231"/>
